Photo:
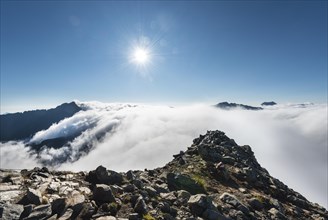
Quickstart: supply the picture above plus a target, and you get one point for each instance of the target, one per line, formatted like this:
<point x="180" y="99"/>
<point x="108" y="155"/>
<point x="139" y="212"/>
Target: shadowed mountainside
<point x="19" y="126"/>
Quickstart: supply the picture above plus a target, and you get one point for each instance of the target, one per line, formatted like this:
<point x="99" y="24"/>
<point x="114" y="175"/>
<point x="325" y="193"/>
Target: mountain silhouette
<point x="19" y="126"/>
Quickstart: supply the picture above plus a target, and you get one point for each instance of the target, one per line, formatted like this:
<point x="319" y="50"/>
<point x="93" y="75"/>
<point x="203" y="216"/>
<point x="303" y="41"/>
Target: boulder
<point x="58" y="206"/>
<point x="34" y="196"/>
<point x="183" y="196"/>
<point x="151" y="191"/>
<point x="11" y="211"/>
<point x="134" y="216"/>
<point x="255" y="203"/>
<point x="106" y="218"/>
<point x="40" y="212"/>
<point x="140" y="206"/>
<point x="88" y="209"/>
<point x="164" y="207"/>
<point x="103" y="176"/>
<point x="275" y="214"/>
<point x="27" y="211"/>
<point x="209" y="153"/>
<point x="67" y="215"/>
<point x="75" y="202"/>
<point x="210" y="214"/>
<point x="130" y="175"/>
<point x="199" y="203"/>
<point x="170" y="197"/>
<point x="129" y="188"/>
<point x="184" y="182"/>
<point x="102" y="193"/>
<point x="232" y="200"/>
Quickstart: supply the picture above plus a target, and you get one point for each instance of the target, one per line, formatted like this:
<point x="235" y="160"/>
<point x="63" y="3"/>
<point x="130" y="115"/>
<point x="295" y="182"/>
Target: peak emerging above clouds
<point x="213" y="179"/>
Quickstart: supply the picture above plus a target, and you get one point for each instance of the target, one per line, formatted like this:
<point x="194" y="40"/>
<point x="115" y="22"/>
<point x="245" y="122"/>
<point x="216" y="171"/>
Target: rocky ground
<point x="213" y="179"/>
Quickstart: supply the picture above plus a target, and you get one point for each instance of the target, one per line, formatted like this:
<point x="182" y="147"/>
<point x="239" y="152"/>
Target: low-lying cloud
<point x="289" y="141"/>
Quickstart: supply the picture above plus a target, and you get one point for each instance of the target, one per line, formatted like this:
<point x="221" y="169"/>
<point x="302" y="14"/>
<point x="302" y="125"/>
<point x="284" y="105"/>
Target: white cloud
<point x="14" y="155"/>
<point x="289" y="141"/>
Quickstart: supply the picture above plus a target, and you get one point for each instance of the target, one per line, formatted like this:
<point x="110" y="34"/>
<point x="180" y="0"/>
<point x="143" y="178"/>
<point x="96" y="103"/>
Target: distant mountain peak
<point x="269" y="103"/>
<point x="19" y="126"/>
<point x="228" y="106"/>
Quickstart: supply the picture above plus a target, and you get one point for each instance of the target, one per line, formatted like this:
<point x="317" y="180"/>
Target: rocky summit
<point x="214" y="179"/>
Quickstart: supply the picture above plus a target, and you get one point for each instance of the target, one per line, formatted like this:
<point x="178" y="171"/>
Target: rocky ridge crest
<point x="214" y="179"/>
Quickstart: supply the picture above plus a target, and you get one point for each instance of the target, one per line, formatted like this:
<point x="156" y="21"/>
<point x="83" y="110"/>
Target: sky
<point x="239" y="51"/>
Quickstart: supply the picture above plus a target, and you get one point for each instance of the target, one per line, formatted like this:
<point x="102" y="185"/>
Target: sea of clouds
<point x="290" y="141"/>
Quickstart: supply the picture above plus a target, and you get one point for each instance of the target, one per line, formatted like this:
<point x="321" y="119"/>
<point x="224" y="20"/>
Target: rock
<point x="67" y="215"/>
<point x="168" y="196"/>
<point x="161" y="188"/>
<point x="183" y="196"/>
<point x="88" y="209"/>
<point x="27" y="211"/>
<point x="199" y="203"/>
<point x="275" y="214"/>
<point x="110" y="208"/>
<point x="237" y="214"/>
<point x="130" y="175"/>
<point x="134" y="216"/>
<point x="277" y="205"/>
<point x="103" y="193"/>
<point x="167" y="216"/>
<point x="116" y="189"/>
<point x="53" y="187"/>
<point x="210" y="214"/>
<point x="228" y="160"/>
<point x="115" y="178"/>
<point x="138" y="183"/>
<point x="76" y="201"/>
<point x="106" y="218"/>
<point x="151" y="191"/>
<point x="34" y="196"/>
<point x="11" y="211"/>
<point x="40" y="212"/>
<point x="164" y="207"/>
<point x="129" y="188"/>
<point x="184" y="182"/>
<point x="103" y="176"/>
<point x="209" y="153"/>
<point x="10" y="193"/>
<point x="140" y="206"/>
<point x="232" y="200"/>
<point x="58" y="206"/>
<point x="255" y="203"/>
<point x="84" y="190"/>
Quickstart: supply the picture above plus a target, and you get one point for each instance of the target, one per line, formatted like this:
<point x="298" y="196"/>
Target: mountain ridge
<point x="213" y="179"/>
<point x="19" y="126"/>
<point x="228" y="106"/>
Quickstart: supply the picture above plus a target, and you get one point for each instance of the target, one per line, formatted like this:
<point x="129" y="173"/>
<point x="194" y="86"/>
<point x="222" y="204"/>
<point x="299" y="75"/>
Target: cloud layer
<point x="289" y="141"/>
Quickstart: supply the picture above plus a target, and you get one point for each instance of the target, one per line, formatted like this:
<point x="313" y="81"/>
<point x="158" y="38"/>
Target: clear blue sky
<point x="242" y="51"/>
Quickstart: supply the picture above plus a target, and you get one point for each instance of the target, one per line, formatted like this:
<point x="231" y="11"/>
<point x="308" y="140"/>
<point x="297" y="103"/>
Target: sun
<point x="141" y="55"/>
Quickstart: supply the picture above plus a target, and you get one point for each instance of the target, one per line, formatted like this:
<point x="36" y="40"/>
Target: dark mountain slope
<point x="269" y="103"/>
<point x="228" y="106"/>
<point x="18" y="126"/>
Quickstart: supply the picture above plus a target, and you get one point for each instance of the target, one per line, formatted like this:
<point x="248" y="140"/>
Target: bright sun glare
<point x="141" y="55"/>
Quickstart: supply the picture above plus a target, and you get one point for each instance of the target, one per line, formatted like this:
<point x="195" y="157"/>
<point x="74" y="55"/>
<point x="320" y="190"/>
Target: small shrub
<point x="148" y="217"/>
<point x="199" y="180"/>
